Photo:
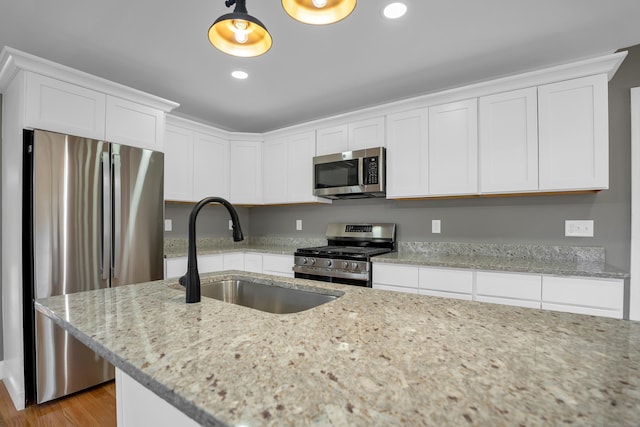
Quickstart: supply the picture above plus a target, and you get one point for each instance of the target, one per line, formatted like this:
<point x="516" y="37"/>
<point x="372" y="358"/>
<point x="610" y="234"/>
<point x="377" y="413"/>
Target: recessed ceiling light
<point x="395" y="10"/>
<point x="240" y="75"/>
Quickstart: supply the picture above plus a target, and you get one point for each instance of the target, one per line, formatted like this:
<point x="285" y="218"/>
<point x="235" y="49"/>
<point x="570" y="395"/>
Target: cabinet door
<point x="178" y="158"/>
<point x="233" y="261"/>
<point x="276" y="166"/>
<point x="523" y="290"/>
<point x="599" y="297"/>
<point x="253" y="262"/>
<point x="508" y="144"/>
<point x="133" y="124"/>
<point x="333" y="140"/>
<point x="63" y="107"/>
<point x="453" y="148"/>
<point x="279" y="265"/>
<point x="407" y="154"/>
<point x="210" y="263"/>
<point x="574" y="134"/>
<point x="210" y="166"/>
<point x="175" y="267"/>
<point x="446" y="280"/>
<point x="302" y="148"/>
<point x="403" y="277"/>
<point x="366" y="134"/>
<point x="245" y="177"/>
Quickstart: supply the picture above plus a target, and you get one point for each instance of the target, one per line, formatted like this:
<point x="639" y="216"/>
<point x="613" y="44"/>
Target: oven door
<point x="332" y="276"/>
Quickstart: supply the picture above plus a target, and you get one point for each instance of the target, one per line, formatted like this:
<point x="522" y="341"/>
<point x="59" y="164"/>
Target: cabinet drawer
<point x="210" y="263"/>
<point x="253" y="262"/>
<point x="175" y="267"/>
<point x="440" y="279"/>
<point x="508" y="285"/>
<point x="597" y="293"/>
<point x="396" y="275"/>
<point x="233" y="261"/>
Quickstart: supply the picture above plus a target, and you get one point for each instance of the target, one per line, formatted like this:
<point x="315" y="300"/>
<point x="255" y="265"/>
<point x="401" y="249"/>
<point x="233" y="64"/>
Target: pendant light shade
<point x="319" y="12"/>
<point x="240" y="34"/>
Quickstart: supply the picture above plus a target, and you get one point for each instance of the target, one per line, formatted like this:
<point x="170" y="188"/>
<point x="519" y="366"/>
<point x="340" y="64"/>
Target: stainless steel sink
<point x="265" y="297"/>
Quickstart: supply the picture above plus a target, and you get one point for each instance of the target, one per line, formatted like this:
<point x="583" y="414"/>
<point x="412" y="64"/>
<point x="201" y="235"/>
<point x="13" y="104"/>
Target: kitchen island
<point x="370" y="357"/>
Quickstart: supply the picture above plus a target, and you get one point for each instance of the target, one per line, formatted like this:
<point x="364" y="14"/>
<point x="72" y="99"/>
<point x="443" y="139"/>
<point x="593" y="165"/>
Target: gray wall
<point x="530" y="219"/>
<point x="213" y="220"/>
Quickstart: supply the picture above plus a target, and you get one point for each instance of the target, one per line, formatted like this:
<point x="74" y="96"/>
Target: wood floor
<point x="94" y="407"/>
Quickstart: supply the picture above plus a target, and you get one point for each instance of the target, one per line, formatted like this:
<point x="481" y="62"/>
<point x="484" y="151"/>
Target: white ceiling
<point x="161" y="47"/>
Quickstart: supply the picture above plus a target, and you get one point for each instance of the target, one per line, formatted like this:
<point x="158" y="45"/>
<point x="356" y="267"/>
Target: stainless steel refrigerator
<point x="93" y="218"/>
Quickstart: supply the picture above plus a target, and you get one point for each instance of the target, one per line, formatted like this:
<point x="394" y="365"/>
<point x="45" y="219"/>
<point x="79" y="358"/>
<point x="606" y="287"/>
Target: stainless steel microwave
<point x="351" y="174"/>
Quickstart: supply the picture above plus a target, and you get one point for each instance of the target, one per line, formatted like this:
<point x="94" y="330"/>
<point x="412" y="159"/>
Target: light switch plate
<point x="435" y="226"/>
<point x="298" y="224"/>
<point x="578" y="228"/>
<point x="168" y="225"/>
<point x="230" y="225"/>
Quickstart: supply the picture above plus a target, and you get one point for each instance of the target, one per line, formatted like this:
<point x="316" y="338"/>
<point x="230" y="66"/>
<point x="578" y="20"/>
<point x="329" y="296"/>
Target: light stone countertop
<point x="369" y="358"/>
<point x="559" y="266"/>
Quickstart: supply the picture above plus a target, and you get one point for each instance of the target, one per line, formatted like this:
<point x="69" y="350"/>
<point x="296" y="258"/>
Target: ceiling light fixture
<point x="319" y="12"/>
<point x="238" y="33"/>
<point x="395" y="10"/>
<point x="240" y="75"/>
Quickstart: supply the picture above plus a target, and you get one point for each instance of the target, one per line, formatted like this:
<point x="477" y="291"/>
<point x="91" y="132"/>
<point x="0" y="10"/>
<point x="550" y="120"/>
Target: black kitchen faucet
<point x="191" y="280"/>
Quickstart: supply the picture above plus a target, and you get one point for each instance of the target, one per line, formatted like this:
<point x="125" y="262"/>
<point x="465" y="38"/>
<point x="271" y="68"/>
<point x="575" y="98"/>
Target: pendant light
<point x="319" y="12"/>
<point x="238" y="33"/>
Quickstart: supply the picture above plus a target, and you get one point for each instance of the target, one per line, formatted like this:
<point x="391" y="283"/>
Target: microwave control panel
<point x="371" y="170"/>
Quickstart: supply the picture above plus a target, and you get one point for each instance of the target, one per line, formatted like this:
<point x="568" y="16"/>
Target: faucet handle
<point x="183" y="280"/>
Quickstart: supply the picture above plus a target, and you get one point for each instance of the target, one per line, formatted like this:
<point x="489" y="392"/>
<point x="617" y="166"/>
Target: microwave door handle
<point x="361" y="172"/>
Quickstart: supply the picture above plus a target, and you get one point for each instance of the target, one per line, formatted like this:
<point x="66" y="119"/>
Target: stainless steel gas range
<point x="347" y="257"/>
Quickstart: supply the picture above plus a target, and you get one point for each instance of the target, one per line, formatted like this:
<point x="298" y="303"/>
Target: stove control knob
<point x="313" y="261"/>
<point x="345" y="264"/>
<point x="354" y="265"/>
<point x="305" y="260"/>
<point x="329" y="263"/>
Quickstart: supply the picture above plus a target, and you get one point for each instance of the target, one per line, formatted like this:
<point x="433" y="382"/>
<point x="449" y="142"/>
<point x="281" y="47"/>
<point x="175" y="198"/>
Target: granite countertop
<point x="554" y="266"/>
<point x="369" y="358"/>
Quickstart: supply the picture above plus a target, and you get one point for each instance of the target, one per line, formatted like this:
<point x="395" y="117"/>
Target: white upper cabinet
<point x="508" y="143"/>
<point x="453" y="148"/>
<point x="196" y="163"/>
<point x="178" y="164"/>
<point x="63" y="107"/>
<point x="302" y="148"/>
<point x="366" y="134"/>
<point x="356" y="135"/>
<point x="59" y="106"/>
<point x="288" y="169"/>
<point x="245" y="172"/>
<point x="574" y="134"/>
<point x="210" y="166"/>
<point x="407" y="154"/>
<point x="133" y="124"/>
<point x="332" y="140"/>
<point x="275" y="171"/>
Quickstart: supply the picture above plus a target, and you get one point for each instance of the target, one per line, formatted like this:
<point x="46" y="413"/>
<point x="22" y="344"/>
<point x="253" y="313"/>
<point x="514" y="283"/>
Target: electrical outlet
<point x="230" y="225"/>
<point x="435" y="226"/>
<point x="575" y="228"/>
<point x="298" y="224"/>
<point x="168" y="225"/>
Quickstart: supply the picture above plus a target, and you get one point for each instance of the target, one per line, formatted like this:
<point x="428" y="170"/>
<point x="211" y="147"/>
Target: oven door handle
<point x="363" y="275"/>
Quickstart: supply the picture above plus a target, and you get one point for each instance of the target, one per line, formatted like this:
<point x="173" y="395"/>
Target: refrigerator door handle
<point x="105" y="266"/>
<point x="117" y="215"/>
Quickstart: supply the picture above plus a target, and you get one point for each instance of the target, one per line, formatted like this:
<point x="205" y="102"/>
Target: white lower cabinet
<point x="279" y="265"/>
<point x="523" y="290"/>
<point x="584" y="295"/>
<point x="399" y="278"/>
<point x="445" y="282"/>
<point x="136" y="405"/>
<point x="253" y="262"/>
<point x="233" y="261"/>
